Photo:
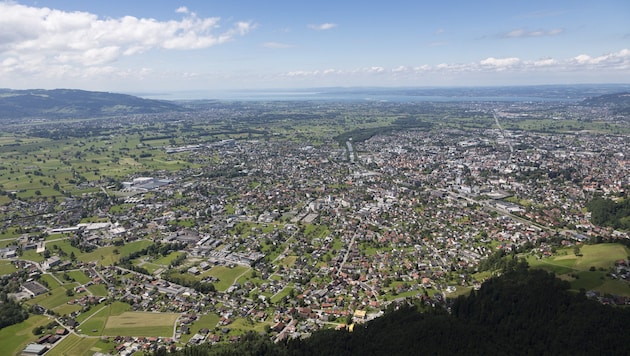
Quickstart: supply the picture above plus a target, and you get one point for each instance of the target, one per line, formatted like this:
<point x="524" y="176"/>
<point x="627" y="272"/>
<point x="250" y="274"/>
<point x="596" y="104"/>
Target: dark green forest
<point x="522" y="312"/>
<point x="10" y="311"/>
<point x="606" y="212"/>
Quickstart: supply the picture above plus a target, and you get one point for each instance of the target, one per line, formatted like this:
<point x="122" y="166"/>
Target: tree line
<point x="607" y="212"/>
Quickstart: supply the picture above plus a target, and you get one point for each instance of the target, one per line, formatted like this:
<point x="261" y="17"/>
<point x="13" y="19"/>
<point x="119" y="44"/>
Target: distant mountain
<point x="618" y="102"/>
<point x="70" y="103"/>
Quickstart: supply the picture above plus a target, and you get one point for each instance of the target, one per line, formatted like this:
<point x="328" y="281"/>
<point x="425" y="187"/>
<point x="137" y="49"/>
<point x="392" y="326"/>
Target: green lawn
<point x="166" y="260"/>
<point x="32" y="255"/>
<point x="66" y="309"/>
<point x="6" y="267"/>
<point x="65" y="246"/>
<point x="15" y="337"/>
<point x="98" y="290"/>
<point x="227" y="276"/>
<point x="242" y="325"/>
<point x="79" y="276"/>
<point x="106" y="256"/>
<point x="288" y="261"/>
<point x="283" y="293"/>
<point x="52" y="283"/>
<point x="205" y="321"/>
<point x="58" y="298"/>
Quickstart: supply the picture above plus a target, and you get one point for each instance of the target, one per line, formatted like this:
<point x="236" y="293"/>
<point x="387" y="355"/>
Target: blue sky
<point x="171" y="46"/>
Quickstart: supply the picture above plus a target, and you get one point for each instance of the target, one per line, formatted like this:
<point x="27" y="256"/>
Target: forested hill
<point x="522" y="312"/>
<point x="619" y="103"/>
<point x="70" y="103"/>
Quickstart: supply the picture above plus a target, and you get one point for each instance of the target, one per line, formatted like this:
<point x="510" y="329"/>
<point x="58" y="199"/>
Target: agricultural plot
<point x="93" y="322"/>
<point x="588" y="271"/>
<point x="75" y="345"/>
<point x="141" y="324"/>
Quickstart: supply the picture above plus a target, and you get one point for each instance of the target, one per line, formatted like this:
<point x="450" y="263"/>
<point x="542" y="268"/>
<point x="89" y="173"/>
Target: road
<point x="345" y="258"/>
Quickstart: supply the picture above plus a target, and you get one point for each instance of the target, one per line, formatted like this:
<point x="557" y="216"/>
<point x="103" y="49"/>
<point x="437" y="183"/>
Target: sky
<point x="207" y="45"/>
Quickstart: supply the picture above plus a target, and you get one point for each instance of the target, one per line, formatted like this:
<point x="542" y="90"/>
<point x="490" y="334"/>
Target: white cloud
<point x="521" y="33"/>
<point x="84" y="39"/>
<point x="500" y="62"/>
<point x="544" y="62"/>
<point x="375" y="70"/>
<point x="323" y="26"/>
<point x="618" y="61"/>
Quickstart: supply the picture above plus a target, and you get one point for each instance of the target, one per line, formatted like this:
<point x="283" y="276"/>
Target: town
<point x="282" y="229"/>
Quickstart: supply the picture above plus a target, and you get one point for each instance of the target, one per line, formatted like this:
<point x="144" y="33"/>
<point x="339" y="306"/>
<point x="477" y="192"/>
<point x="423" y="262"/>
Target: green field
<point x="106" y="256"/>
<point x="15" y="337"/>
<point x="66" y="309"/>
<point x="281" y="294"/>
<point x="205" y="321"/>
<point x="79" y="276"/>
<point x="98" y="290"/>
<point x="166" y="260"/>
<point x="76" y="345"/>
<point x="587" y="271"/>
<point x="56" y="300"/>
<point x="6" y="267"/>
<point x="93" y="322"/>
<point x="52" y="282"/>
<point x="242" y="325"/>
<point x="141" y="324"/>
<point x="227" y="276"/>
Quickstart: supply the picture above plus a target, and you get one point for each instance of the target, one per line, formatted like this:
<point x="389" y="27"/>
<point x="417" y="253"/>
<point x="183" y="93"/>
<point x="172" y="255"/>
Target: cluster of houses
<point x="409" y="215"/>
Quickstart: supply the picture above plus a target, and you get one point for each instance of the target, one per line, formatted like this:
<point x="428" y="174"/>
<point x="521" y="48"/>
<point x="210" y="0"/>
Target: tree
<point x="38" y="330"/>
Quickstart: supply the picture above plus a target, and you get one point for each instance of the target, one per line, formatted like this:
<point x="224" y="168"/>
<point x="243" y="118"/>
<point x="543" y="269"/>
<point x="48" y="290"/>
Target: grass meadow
<point x="227" y="276"/>
<point x="15" y="337"/>
<point x="589" y="270"/>
<point x="141" y="324"/>
<point x="75" y="345"/>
